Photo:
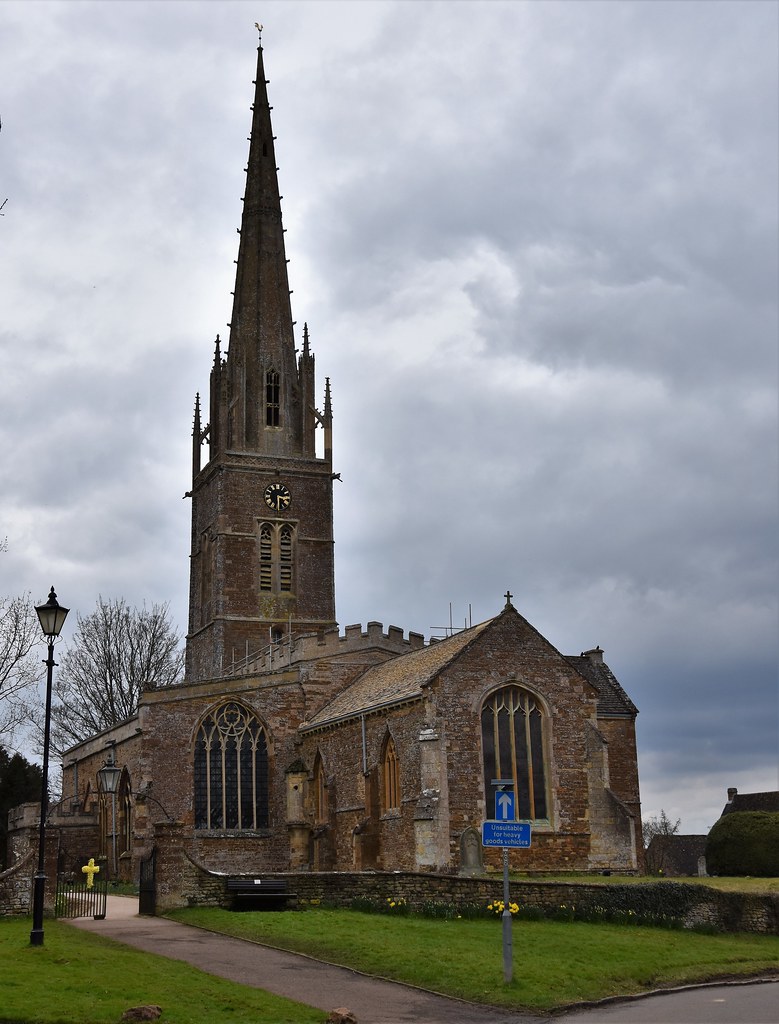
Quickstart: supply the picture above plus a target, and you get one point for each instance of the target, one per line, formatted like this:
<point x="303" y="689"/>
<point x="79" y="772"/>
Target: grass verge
<point x="78" y="978"/>
<point x="555" y="964"/>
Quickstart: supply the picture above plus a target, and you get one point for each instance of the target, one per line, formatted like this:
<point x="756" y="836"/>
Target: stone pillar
<point x="297" y="825"/>
<point x="431" y="817"/>
<point x="169" y="843"/>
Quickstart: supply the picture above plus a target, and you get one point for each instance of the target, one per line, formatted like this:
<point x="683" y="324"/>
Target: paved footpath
<point x="383" y="1002"/>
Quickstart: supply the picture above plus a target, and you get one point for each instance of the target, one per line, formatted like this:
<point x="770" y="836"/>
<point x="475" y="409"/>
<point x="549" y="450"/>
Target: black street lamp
<point x="52" y="618"/>
<point x="108" y="777"/>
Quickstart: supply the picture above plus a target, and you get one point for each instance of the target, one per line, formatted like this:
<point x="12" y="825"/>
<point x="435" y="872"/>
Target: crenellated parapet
<point x="354" y="641"/>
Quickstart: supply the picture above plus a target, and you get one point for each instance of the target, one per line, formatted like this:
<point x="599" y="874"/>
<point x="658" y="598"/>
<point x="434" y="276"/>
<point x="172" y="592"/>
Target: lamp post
<point x="109" y="776"/>
<point x="52" y="618"/>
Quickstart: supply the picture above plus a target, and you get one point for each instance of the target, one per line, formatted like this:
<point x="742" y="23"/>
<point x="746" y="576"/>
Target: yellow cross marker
<point x="90" y="870"/>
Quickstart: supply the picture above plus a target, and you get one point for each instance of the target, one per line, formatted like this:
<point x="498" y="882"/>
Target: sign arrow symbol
<point x="505" y="805"/>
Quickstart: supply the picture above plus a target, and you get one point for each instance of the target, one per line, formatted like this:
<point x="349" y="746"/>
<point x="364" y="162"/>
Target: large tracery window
<point x="231" y="770"/>
<point x="512" y="731"/>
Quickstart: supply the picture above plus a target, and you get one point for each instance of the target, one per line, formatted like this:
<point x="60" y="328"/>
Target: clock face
<point x="277" y="496"/>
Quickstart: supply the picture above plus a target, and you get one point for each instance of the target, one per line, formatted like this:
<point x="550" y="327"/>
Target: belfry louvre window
<point x="266" y="557"/>
<point x="277" y="558"/>
<point x="285" y="558"/>
<point x="390" y="777"/>
<point x="272" y="398"/>
<point x="512" y="732"/>
<point x="231" y="770"/>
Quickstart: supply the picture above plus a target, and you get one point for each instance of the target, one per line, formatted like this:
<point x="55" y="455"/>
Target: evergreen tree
<point x="20" y="783"/>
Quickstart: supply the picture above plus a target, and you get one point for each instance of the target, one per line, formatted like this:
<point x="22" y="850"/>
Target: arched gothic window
<point x="272" y="399"/>
<point x="124" y="815"/>
<point x="320" y="791"/>
<point x="512" y="732"/>
<point x="231" y="770"/>
<point x="390" y="777"/>
<point x="277" y="558"/>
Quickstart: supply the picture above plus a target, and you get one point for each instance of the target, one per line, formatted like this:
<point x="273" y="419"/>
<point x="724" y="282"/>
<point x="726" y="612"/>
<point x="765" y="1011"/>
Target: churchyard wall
<point x="668" y="903"/>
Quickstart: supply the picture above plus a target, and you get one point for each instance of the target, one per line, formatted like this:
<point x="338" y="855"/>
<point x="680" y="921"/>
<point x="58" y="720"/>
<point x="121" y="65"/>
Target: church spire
<point x="261" y="364"/>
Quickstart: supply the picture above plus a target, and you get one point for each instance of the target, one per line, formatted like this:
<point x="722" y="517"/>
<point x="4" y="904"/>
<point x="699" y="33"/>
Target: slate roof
<point x="401" y="680"/>
<point x="397" y="681"/>
<point x="612" y="699"/>
<point x="753" y="802"/>
<point x="676" y="855"/>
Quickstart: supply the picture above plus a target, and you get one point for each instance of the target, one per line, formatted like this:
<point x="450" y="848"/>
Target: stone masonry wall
<point x="689" y="905"/>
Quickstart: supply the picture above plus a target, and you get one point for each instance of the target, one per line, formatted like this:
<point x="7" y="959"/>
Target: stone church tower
<point x="262" y="508"/>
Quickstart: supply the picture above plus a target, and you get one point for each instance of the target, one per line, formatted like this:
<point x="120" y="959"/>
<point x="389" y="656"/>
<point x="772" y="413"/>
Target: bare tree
<point x="19" y="634"/>
<point x="659" y="828"/>
<point x="116" y="653"/>
<point x="19" y="669"/>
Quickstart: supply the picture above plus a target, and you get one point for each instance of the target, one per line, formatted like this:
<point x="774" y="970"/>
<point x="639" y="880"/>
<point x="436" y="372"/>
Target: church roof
<point x="402" y="679"/>
<point x="397" y="681"/>
<point x="612" y="699"/>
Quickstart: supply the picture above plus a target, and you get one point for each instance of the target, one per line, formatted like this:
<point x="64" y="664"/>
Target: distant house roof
<point x="675" y="855"/>
<point x="751" y="801"/>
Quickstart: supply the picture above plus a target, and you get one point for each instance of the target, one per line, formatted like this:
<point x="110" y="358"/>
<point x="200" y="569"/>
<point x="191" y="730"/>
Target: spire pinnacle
<point x="261" y="329"/>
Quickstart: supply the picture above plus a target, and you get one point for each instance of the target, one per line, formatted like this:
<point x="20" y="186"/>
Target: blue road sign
<point x="504" y="806"/>
<point x="505" y="833"/>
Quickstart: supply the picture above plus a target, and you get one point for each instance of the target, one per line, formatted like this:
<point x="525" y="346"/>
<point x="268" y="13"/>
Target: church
<point x="294" y="746"/>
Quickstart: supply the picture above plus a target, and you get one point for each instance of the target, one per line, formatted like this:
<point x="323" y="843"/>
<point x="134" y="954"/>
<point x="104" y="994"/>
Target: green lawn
<point x="79" y="978"/>
<point x="554" y="963"/>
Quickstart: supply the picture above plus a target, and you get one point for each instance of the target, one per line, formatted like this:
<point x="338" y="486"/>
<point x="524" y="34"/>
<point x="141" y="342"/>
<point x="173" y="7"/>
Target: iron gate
<point x="147" y="892"/>
<point x="76" y="898"/>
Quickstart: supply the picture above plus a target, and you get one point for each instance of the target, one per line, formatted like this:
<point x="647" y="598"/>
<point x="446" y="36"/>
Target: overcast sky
<point x="536" y="247"/>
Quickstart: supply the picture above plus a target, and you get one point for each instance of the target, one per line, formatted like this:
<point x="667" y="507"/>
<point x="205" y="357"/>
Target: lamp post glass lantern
<point x="51" y="616"/>
<point x="109" y="776"/>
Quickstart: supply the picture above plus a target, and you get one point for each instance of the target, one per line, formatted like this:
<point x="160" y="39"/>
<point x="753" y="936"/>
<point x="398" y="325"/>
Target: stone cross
<point x="90" y="869"/>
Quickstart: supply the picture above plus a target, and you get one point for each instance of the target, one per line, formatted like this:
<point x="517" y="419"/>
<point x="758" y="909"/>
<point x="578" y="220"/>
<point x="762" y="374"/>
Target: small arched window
<point x="272" y="398"/>
<point x="124" y="814"/>
<point x="390" y="777"/>
<point x="512" y="733"/>
<point x="231" y="770"/>
<point x="320" y="791"/>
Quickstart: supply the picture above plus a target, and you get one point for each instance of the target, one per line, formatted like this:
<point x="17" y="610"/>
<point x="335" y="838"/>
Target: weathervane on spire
<point x="258" y="26"/>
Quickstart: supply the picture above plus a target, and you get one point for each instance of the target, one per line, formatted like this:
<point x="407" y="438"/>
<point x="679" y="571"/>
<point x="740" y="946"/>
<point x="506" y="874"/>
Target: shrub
<point x="744" y="843"/>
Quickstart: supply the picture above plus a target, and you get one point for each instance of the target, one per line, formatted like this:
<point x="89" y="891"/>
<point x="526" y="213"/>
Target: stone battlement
<point x="328" y="644"/>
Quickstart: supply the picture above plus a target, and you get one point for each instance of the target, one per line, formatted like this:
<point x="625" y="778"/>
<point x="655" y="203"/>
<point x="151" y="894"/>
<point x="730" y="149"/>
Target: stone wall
<point x="16" y="886"/>
<point x="687" y="905"/>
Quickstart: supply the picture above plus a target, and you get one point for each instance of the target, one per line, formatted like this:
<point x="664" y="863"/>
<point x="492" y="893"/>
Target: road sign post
<point x="505" y="832"/>
<point x="508" y="938"/>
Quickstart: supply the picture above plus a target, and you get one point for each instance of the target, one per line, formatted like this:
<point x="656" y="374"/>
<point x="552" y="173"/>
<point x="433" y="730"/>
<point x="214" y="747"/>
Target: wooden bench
<point x="259" y="893"/>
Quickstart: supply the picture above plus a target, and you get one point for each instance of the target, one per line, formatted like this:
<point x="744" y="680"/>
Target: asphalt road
<point x="383" y="1002"/>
